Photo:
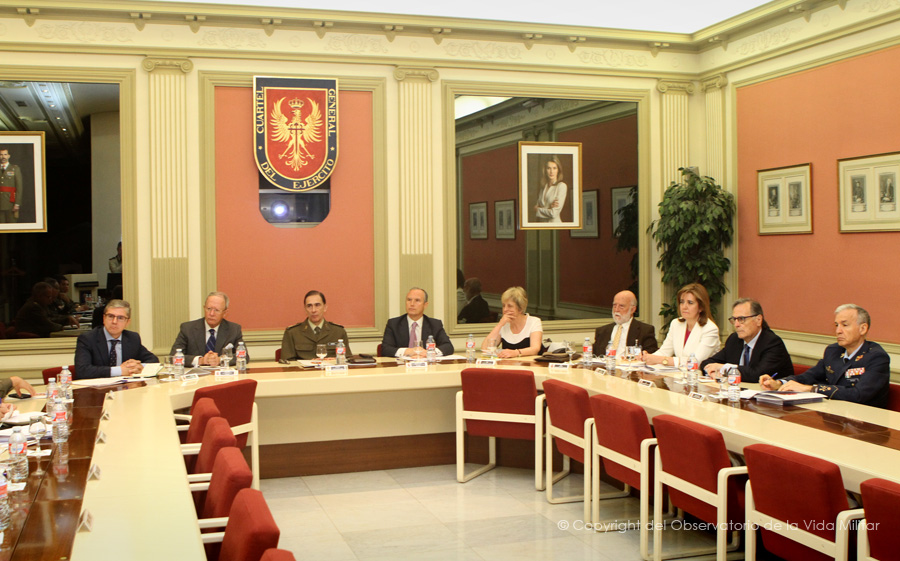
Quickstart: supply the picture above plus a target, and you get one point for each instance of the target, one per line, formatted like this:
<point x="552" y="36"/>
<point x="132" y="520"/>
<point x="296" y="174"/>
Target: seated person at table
<point x="203" y="340"/>
<point x="625" y="330"/>
<point x="519" y="333"/>
<point x="110" y="350"/>
<point x="853" y="369"/>
<point x="35" y="317"/>
<point x="300" y="339"/>
<point x="753" y="347"/>
<point x="692" y="333"/>
<point x="63" y="304"/>
<point x="19" y="386"/>
<point x="476" y="309"/>
<point x="414" y="328"/>
<point x="59" y="314"/>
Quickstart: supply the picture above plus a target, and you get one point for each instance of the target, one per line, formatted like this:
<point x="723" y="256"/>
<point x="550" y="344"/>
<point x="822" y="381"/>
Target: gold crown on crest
<point x="296" y="103"/>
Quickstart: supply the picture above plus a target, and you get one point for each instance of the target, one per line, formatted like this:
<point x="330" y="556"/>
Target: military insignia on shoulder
<point x="859" y="357"/>
<point x="296" y="324"/>
<point x="336" y="324"/>
<point x="829" y="369"/>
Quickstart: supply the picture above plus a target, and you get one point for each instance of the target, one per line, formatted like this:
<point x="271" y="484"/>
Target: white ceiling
<point x="680" y="16"/>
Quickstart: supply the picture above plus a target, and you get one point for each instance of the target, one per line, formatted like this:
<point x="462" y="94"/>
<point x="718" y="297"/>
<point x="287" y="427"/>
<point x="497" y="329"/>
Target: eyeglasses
<point x="740" y="319"/>
<point x="113" y="317"/>
<point x="214" y="311"/>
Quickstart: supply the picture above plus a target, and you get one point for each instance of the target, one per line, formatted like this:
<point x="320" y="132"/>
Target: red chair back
<point x="799" y="369"/>
<point x="277" y="354"/>
<point x="795" y="487"/>
<point x="499" y="391"/>
<point x="881" y="500"/>
<point x="621" y="426"/>
<point x="230" y="474"/>
<point x="277" y="555"/>
<point x="894" y="397"/>
<point x="204" y="410"/>
<point x="218" y="435"/>
<point x="569" y="406"/>
<point x="695" y="453"/>
<point x="234" y="400"/>
<point x="54" y="373"/>
<point x="251" y="530"/>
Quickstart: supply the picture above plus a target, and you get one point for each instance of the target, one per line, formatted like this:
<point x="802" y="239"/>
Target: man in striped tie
<point x="203" y="340"/>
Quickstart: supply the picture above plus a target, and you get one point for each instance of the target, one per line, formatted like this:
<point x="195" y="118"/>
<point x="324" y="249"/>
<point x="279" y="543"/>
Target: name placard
<point x="557" y="367"/>
<point x="110" y="395"/>
<point x="101" y="437"/>
<point x="105" y="415"/>
<point x="600" y="371"/>
<point x="85" y="521"/>
<point x="417" y="365"/>
<point x="337" y="370"/>
<point x="225" y="373"/>
<point x="192" y="377"/>
<point x="697" y="396"/>
<point x="646" y="383"/>
<point x="94" y="472"/>
<point x="486" y="362"/>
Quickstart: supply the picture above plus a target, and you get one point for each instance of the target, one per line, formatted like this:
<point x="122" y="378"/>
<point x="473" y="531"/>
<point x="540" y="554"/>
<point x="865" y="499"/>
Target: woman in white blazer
<point x="552" y="197"/>
<point x="692" y="333"/>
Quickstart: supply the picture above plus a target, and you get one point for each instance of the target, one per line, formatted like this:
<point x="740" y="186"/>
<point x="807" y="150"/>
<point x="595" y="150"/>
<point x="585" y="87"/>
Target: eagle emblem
<point x="298" y="132"/>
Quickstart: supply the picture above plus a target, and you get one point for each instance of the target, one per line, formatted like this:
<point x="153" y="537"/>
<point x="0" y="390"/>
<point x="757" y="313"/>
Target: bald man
<point x="625" y="330"/>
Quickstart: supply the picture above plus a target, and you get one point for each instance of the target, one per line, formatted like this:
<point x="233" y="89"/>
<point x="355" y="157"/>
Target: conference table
<point x="139" y="506"/>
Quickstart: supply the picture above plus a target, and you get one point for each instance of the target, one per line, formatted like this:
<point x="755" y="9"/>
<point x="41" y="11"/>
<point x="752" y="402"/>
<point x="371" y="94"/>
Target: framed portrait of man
<point x="23" y="187"/>
<point x="550" y="186"/>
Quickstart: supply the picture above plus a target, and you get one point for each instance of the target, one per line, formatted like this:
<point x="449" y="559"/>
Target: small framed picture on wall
<point x="505" y="220"/>
<point x="785" y="205"/>
<point x="589" y="226"/>
<point x="478" y="221"/>
<point x="868" y="193"/>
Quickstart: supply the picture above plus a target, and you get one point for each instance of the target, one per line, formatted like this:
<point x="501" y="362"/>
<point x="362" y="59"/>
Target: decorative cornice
<point x="675" y="86"/>
<point x="153" y="63"/>
<point x="715" y="82"/>
<point x="401" y="73"/>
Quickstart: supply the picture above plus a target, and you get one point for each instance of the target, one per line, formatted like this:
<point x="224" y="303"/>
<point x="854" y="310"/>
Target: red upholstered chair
<point x="202" y="411"/>
<point x="250" y="530"/>
<point x="570" y="423"/>
<point x="230" y="474"/>
<point x="623" y="443"/>
<point x="800" y="501"/>
<point x="54" y="372"/>
<point x="235" y="401"/>
<point x="799" y="369"/>
<point x="498" y="404"/>
<point x="218" y="435"/>
<point x="691" y="459"/>
<point x="277" y="555"/>
<point x="277" y="354"/>
<point x="894" y="397"/>
<point x="879" y="531"/>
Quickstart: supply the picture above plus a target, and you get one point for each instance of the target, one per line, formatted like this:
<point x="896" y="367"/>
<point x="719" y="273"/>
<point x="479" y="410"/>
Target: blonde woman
<point x="520" y="333"/>
<point x="552" y="197"/>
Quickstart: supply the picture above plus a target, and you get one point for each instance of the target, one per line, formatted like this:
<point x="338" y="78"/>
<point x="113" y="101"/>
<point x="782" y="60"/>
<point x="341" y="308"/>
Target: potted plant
<point x="695" y="225"/>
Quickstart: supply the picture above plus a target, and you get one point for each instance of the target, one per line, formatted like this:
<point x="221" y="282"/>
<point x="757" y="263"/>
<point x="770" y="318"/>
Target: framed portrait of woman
<point x="550" y="186"/>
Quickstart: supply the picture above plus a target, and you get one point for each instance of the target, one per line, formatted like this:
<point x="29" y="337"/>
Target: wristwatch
<point x="665" y="362"/>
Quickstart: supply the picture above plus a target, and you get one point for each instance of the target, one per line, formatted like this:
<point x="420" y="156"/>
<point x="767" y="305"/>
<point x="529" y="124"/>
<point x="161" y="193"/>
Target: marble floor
<point x="423" y="514"/>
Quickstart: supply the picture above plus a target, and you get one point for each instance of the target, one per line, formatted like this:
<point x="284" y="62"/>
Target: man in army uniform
<point x="10" y="189"/>
<point x="35" y="315"/>
<point x="300" y="339"/>
<point x="853" y="369"/>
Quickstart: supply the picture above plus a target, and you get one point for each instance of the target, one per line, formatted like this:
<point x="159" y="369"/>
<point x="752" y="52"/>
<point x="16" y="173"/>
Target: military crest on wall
<point x="295" y="130"/>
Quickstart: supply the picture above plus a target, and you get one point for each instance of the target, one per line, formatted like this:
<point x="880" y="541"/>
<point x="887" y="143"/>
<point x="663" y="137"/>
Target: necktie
<point x="211" y="342"/>
<point x="617" y="338"/>
<point x="113" y="357"/>
<point x="745" y="357"/>
<point x="413" y="340"/>
<point x="317" y="330"/>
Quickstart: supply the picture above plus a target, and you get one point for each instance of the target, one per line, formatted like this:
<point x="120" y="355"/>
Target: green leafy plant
<point x="695" y="225"/>
<point x="627" y="234"/>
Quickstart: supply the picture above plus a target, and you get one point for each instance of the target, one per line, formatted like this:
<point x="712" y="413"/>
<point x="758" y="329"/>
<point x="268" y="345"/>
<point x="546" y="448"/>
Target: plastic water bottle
<point x="610" y="359"/>
<point x="693" y="369"/>
<point x="587" y="352"/>
<point x="470" y="348"/>
<point x="65" y="381"/>
<point x="18" y="455"/>
<point x="734" y="385"/>
<point x="52" y="389"/>
<point x="430" y="350"/>
<point x="178" y="363"/>
<point x="4" y="503"/>
<point x="340" y="353"/>
<point x="59" y="416"/>
<point x="241" y="354"/>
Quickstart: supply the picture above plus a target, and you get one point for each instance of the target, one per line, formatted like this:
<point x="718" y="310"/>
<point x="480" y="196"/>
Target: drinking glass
<point x="168" y="368"/>
<point x="420" y="349"/>
<point x="321" y="352"/>
<point x="38" y="429"/>
<point x="570" y="350"/>
<point x="491" y="345"/>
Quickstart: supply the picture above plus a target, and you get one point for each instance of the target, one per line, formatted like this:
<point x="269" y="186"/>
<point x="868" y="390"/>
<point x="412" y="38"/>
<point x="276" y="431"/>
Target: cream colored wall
<point x="684" y="95"/>
<point x="106" y="189"/>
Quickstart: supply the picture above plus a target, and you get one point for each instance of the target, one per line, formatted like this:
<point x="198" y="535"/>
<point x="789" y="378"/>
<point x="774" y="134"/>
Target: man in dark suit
<point x="625" y="330"/>
<point x="476" y="309"/>
<point x="108" y="351"/>
<point x="401" y="334"/>
<point x="852" y="369"/>
<point x="300" y="340"/>
<point x="203" y="340"/>
<point x="753" y="347"/>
